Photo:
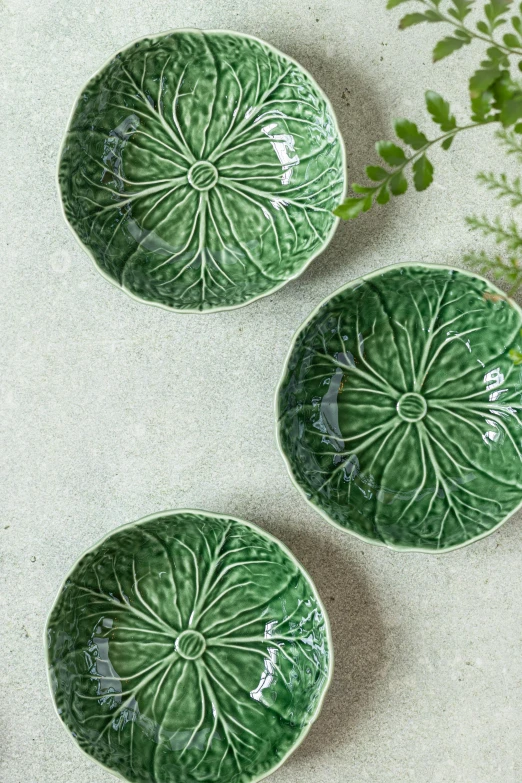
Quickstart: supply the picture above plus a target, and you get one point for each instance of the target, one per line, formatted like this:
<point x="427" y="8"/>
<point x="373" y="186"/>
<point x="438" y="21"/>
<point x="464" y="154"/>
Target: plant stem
<point x="460" y="26"/>
<point x="422" y="150"/>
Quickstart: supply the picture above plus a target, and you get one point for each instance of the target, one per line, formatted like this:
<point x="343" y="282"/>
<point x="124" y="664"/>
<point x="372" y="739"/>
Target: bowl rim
<point x="351" y="284"/>
<point x="210" y="515"/>
<point x="199" y="31"/>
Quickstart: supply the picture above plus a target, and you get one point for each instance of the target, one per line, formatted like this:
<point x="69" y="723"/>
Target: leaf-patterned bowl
<point x="199" y="170"/>
<point x="398" y="413"/>
<point x="188" y="647"/>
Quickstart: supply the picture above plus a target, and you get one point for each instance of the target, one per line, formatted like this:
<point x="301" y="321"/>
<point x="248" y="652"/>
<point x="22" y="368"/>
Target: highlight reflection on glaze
<point x="399" y="410"/>
<point x="188" y="647"/>
<point x="200" y="170"/>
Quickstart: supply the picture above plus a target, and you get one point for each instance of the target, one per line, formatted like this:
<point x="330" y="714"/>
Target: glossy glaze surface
<point x="399" y="408"/>
<point x="188" y="647"/>
<point x="200" y="170"/>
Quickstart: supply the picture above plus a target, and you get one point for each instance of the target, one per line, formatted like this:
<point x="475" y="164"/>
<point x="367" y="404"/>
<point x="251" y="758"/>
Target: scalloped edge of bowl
<point x="84" y="247"/>
<point x="209" y="514"/>
<point x="324" y="514"/>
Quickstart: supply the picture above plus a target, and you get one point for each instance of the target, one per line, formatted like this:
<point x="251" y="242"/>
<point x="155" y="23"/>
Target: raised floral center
<point x="190" y="645"/>
<point x="412" y="407"/>
<point x="202" y="175"/>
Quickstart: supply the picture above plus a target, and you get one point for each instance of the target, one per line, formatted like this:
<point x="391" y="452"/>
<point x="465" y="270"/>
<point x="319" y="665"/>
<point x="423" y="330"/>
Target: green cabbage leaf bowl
<point x="188" y="647"/>
<point x="398" y="413"/>
<point x="200" y="169"/>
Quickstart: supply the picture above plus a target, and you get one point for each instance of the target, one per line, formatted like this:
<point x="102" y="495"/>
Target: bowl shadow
<point x="357" y="631"/>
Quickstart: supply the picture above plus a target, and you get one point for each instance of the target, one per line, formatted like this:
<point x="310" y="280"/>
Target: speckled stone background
<point x="111" y="410"/>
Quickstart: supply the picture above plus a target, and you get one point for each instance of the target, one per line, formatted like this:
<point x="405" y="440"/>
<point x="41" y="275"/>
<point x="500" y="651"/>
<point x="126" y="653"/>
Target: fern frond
<point x="507" y="234"/>
<point x="512" y="142"/>
<point x="508" y="269"/>
<point x="503" y="187"/>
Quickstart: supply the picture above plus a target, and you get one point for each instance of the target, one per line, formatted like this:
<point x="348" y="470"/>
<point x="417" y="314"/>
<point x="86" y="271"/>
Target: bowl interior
<point x="399" y="408"/>
<point x="200" y="170"/>
<point x="188" y="647"/>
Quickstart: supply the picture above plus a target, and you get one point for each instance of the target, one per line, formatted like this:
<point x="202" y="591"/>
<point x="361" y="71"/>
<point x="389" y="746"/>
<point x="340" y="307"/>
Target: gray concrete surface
<point x="111" y="410"/>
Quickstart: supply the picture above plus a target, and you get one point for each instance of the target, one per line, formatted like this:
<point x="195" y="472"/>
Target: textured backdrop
<point x="110" y="409"/>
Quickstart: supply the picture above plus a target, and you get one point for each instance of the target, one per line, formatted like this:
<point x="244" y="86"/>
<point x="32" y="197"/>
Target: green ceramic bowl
<point x="398" y="413"/>
<point x="188" y="647"/>
<point x="200" y="169"/>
